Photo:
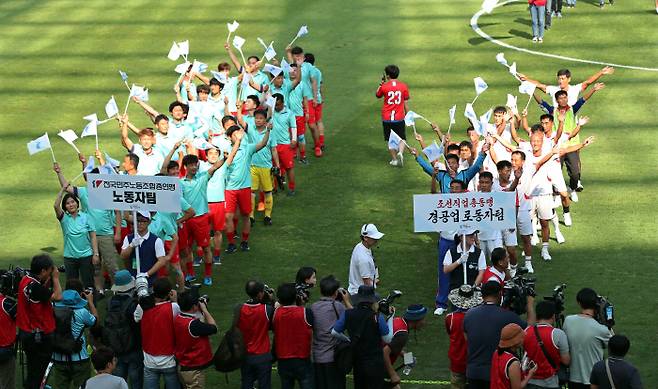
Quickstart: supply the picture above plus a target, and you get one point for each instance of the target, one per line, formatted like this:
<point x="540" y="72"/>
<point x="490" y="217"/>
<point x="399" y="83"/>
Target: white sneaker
<point x="541" y="40"/>
<point x="512" y="271"/>
<point x="534" y="240"/>
<point x="544" y="254"/>
<point x="579" y="186"/>
<point x="567" y="219"/>
<point x="439" y="311"/>
<point x="394" y="162"/>
<point x="534" y="39"/>
<point x="574" y="195"/>
<point x="559" y="237"/>
<point x="528" y="265"/>
<point x="400" y="159"/>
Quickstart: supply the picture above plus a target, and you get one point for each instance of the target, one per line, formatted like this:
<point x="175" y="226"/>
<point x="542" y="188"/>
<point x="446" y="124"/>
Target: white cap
<point x="371" y="231"/>
<point x="467" y="231"/>
<point x="145" y="214"/>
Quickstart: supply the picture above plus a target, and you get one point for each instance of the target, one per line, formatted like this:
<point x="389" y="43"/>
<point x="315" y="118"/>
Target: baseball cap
<point x="370" y="230"/>
<point x="145" y="214"/>
<point x="467" y="231"/>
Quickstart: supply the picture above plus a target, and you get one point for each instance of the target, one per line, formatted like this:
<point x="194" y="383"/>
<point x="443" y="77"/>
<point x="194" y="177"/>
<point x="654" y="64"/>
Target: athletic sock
<point x="245" y="236"/>
<point x="207" y="269"/>
<point x="565" y="209"/>
<point x="230" y="235"/>
<point x="199" y="252"/>
<point x="189" y="266"/>
<point x="216" y="251"/>
<point x="544" y="245"/>
<point x="291" y="184"/>
<point x="269" y="204"/>
<point x="321" y="140"/>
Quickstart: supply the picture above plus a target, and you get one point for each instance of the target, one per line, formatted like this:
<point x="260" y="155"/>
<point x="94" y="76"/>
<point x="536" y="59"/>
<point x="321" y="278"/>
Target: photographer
<point x="547" y="347"/>
<point x="73" y="313"/>
<point x="193" y="351"/>
<point x="471" y="256"/>
<point x="482" y="326"/>
<point x="621" y="374"/>
<point x="325" y="313"/>
<point x="506" y="370"/>
<point x="413" y="319"/>
<point x="587" y="338"/>
<point x="304" y="281"/>
<point x="156" y="315"/>
<point x="35" y="318"/>
<point x="363" y="270"/>
<point x="367" y="328"/>
<point x="7" y="342"/>
<point x="498" y="270"/>
<point x="292" y="326"/>
<point x="255" y="320"/>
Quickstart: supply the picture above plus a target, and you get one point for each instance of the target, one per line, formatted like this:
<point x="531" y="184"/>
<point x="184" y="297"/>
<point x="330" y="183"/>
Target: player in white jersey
<point x="504" y="183"/>
<point x="563" y="83"/>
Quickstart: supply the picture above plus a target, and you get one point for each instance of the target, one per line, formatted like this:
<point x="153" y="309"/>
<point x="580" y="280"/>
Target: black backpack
<point x="232" y="351"/>
<point x="63" y="340"/>
<point x="117" y="331"/>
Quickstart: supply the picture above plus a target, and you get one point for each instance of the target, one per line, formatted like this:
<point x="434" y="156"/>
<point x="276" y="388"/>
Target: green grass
<point x="60" y="62"/>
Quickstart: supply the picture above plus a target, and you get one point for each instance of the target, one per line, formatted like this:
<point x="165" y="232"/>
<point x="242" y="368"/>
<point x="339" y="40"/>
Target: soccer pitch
<point x="61" y="60"/>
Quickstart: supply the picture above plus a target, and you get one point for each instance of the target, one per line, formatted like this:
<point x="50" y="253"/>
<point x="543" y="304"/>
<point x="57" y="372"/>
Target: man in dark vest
<point x="465" y="256"/>
<point x="152" y="254"/>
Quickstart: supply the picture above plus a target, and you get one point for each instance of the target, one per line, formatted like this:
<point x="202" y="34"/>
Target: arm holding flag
<point x="59" y="212"/>
<point x="125" y="141"/>
<point x="169" y="156"/>
<point x="150" y="111"/>
<point x="233" y="57"/>
<point x="420" y="140"/>
<point x="201" y="77"/>
<point x="63" y="183"/>
<point x="539" y="85"/>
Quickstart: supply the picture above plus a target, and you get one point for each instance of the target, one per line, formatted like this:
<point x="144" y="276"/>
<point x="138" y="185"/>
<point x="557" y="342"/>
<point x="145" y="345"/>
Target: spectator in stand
<point x="292" y="327"/>
<point x="462" y="299"/>
<point x="547" y="347"/>
<point x="104" y="363"/>
<point x="413" y="319"/>
<point x="614" y="371"/>
<point x="7" y="342"/>
<point x="193" y="350"/>
<point x="325" y="313"/>
<point x="587" y="339"/>
<point x="156" y="315"/>
<point x="35" y="317"/>
<point x="254" y="321"/>
<point x="482" y="326"/>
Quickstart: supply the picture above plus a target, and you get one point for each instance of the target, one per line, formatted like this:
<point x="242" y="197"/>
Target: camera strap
<point x="607" y="371"/>
<point x="543" y="348"/>
<point x="333" y="305"/>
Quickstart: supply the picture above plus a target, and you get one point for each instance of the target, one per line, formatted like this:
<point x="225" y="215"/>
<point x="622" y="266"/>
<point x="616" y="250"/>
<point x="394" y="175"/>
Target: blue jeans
<point x="296" y="369"/>
<point x="444" y="279"/>
<point x="152" y="378"/>
<point x="256" y="370"/>
<point x="537" y="14"/>
<point x="130" y="367"/>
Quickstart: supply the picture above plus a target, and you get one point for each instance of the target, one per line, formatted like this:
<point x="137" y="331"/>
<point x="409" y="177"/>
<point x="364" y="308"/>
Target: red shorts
<point x="317" y="108"/>
<point x="238" y="198"/>
<point x="301" y="125"/>
<point x="175" y="257"/>
<point x="217" y="216"/>
<point x="310" y="112"/>
<point x="198" y="230"/>
<point x="286" y="157"/>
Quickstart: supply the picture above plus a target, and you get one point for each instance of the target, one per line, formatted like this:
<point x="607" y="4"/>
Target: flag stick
<point x="135" y="234"/>
<point x="52" y="153"/>
<point x="463" y="252"/>
<point x="414" y="127"/>
<point x="96" y="138"/>
<point x="76" y="177"/>
<point x="449" y="127"/>
<point x="126" y="83"/>
<point x="243" y="60"/>
<point x="228" y="37"/>
<point x="125" y="111"/>
<point x="476" y="97"/>
<point x="528" y="103"/>
<point x="75" y="147"/>
<point x="293" y="41"/>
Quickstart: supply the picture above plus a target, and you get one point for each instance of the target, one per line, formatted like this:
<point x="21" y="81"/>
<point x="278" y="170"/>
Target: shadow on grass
<point x="520" y="34"/>
<point x="525" y="21"/>
<point x="49" y="249"/>
<point x="479" y="40"/>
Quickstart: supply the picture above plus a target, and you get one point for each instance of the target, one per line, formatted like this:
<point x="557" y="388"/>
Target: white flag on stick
<point x="480" y="86"/>
<point x="69" y="136"/>
<point x="527" y="88"/>
<point x="394" y="141"/>
<point x="238" y="42"/>
<point x="111" y="108"/>
<point x="232" y="27"/>
<point x="91" y="164"/>
<point x="512" y="71"/>
<point x="511" y="103"/>
<point x="273" y="70"/>
<point x="270" y="102"/>
<point x="451" y="112"/>
<point x="91" y="129"/>
<point x="262" y="42"/>
<point x="183" y="68"/>
<point x="269" y="53"/>
<point x="469" y="113"/>
<point x="433" y="151"/>
<point x="221" y="77"/>
<point x="484" y="122"/>
<point x="40" y="144"/>
<point x="111" y="161"/>
<point x="184" y="48"/>
<point x="500" y="58"/>
<point x="174" y="52"/>
<point x="285" y="66"/>
<point x="303" y="30"/>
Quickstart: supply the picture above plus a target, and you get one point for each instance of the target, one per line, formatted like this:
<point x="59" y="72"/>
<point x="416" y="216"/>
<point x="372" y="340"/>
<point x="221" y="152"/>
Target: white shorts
<point x="488" y="245"/>
<point x="557" y="179"/>
<point x="544" y="206"/>
<point x="524" y="223"/>
<point x="509" y="237"/>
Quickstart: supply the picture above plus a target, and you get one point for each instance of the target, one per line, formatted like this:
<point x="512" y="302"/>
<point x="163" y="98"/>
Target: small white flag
<point x="511" y="103"/>
<point x="184" y="48"/>
<point x="183" y="67"/>
<point x="410" y="117"/>
<point x="123" y="75"/>
<point x="201" y="144"/>
<point x="40" y="144"/>
<point x="107" y="169"/>
<point x="484" y="122"/>
<point x="394" y="141"/>
<point x="512" y="69"/>
<point x="69" y="136"/>
<point x="433" y="152"/>
<point x="469" y="113"/>
<point x="199" y="67"/>
<point x="92" y="117"/>
<point x="221" y="77"/>
<point x="222" y="143"/>
<point x="527" y="88"/>
<point x="269" y="53"/>
<point x="271" y="101"/>
<point x="232" y="26"/>
<point x="111" y="108"/>
<point x="111" y="161"/>
<point x="91" y="129"/>
<point x="489" y="5"/>
<point x="91" y="164"/>
<point x="480" y="85"/>
<point x="285" y="66"/>
<point x="238" y="42"/>
<point x="452" y="111"/>
<point x="303" y="30"/>
<point x="174" y="52"/>
<point x="245" y="80"/>
<point x="500" y="57"/>
<point x="273" y="70"/>
<point x="139" y="92"/>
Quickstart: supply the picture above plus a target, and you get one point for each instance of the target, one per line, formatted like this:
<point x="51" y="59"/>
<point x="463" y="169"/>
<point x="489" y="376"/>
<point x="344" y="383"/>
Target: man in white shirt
<point x="563" y="80"/>
<point x="363" y="270"/>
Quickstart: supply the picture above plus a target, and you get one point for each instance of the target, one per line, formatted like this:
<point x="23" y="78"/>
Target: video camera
<point x="9" y="280"/>
<point x="385" y="303"/>
<point x="303" y="292"/>
<point x="269" y="297"/>
<point x="605" y="312"/>
<point x="558" y="299"/>
<point x="517" y="290"/>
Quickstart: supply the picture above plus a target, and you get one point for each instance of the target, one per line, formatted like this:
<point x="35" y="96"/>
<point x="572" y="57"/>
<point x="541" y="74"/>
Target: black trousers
<point x="327" y="376"/>
<point x="369" y="374"/>
<point x="38" y="356"/>
<point x="477" y="384"/>
<point x="556" y="6"/>
<point x="572" y="162"/>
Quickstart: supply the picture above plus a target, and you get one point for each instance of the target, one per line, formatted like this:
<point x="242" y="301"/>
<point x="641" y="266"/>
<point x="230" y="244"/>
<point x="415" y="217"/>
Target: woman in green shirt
<point x="80" y="246"/>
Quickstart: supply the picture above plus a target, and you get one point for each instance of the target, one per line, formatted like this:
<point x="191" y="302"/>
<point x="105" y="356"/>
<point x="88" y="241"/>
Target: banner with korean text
<point x="446" y="212"/>
<point x="134" y="193"/>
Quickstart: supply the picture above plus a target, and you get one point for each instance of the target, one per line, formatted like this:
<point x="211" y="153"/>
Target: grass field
<point x="60" y="62"/>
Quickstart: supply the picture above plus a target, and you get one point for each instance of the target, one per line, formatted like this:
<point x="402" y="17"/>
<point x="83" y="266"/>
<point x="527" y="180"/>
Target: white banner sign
<point x="134" y="193"/>
<point x="479" y="210"/>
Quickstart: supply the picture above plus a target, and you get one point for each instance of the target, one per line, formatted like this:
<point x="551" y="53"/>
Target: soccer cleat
<point x="303" y="161"/>
<point x="244" y="245"/>
<point x="528" y="266"/>
<point x="216" y="260"/>
<point x="545" y="254"/>
<point x="573" y="195"/>
<point x="540" y="40"/>
<point x="267" y="221"/>
<point x="439" y="311"/>
<point x="394" y="162"/>
<point x="190" y="278"/>
<point x="231" y="248"/>
<point x="207" y="281"/>
<point x="400" y="159"/>
<point x="318" y="152"/>
<point x="197" y="261"/>
<point x="291" y="193"/>
<point x="559" y="15"/>
<point x="559" y="237"/>
<point x="567" y="219"/>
